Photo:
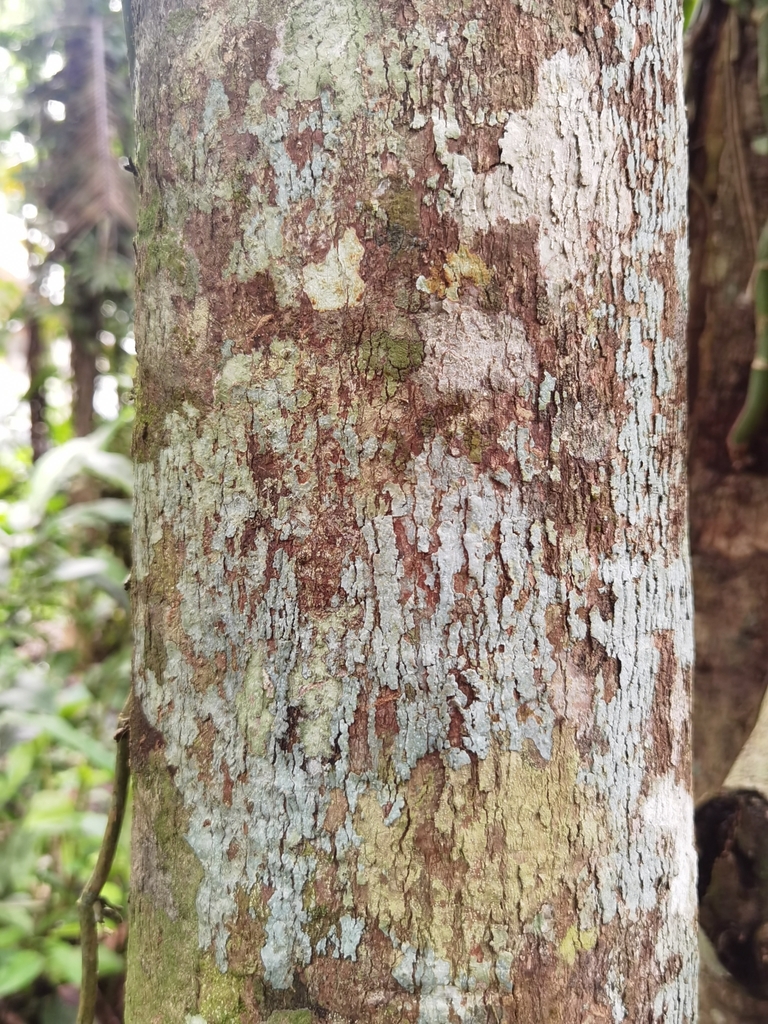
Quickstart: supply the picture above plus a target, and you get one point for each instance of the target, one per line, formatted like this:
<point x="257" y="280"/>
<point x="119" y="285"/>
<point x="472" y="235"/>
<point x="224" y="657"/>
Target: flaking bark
<point x="412" y="592"/>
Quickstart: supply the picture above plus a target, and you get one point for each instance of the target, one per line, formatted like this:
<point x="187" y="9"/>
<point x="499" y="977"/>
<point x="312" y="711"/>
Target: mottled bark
<point x="412" y="598"/>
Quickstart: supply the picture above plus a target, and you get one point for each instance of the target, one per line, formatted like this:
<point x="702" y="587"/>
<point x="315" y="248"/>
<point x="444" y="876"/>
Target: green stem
<point x="760" y="16"/>
<point x="756" y="403"/>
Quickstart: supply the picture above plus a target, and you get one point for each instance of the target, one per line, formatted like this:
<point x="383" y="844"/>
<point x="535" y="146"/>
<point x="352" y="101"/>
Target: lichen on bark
<point x="412" y="600"/>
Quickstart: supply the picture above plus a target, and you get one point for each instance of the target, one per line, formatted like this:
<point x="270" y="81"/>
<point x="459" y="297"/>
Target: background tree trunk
<point x="413" y="644"/>
<point x="85" y="325"/>
<point x="38" y="429"/>
<point x="729" y="204"/>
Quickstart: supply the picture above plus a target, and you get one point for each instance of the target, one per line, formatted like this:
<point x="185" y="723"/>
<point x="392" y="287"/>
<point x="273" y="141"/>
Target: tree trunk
<point x="84" y="328"/>
<point x="413" y="623"/>
<point x="38" y="428"/>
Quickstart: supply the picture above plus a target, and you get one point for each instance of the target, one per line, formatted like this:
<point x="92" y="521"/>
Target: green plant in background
<point x="64" y="674"/>
<point x="64" y="493"/>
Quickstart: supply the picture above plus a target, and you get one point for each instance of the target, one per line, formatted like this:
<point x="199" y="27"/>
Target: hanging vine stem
<point x="92" y="907"/>
<point x="756" y="402"/>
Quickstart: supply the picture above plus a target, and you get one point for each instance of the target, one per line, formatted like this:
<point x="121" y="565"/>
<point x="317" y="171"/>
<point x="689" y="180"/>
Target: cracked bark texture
<point x="412" y="600"/>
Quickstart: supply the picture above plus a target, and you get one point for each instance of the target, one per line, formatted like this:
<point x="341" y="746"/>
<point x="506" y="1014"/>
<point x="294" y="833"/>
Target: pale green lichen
<point x="163" y="910"/>
<point x="336" y="282"/>
<point x="317" y="692"/>
<point x="322" y="48"/>
<point x="386" y="355"/>
<point x="574" y="941"/>
<point x="290" y="1017"/>
<point x="219" y="995"/>
<point x="216" y="107"/>
<point x="179" y="21"/>
<point x="253" y="704"/>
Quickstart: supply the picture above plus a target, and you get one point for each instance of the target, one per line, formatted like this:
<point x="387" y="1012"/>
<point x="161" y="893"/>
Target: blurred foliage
<point x="65" y="124"/>
<point x="64" y="674"/>
<point x="65" y="503"/>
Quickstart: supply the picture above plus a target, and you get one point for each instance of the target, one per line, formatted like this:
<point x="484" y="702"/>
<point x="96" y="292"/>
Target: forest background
<point x="66" y="341"/>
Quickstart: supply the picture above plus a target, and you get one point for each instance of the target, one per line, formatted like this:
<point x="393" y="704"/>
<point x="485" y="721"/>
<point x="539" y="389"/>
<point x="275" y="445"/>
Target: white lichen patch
<point x="667" y="814"/>
<point x="561" y="165"/>
<point x="468" y="352"/>
<point x="319" y="48"/>
<point x="336" y="282"/>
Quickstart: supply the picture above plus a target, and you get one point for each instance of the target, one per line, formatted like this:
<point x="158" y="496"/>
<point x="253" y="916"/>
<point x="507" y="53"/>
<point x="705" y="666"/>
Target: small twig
<point x="756" y="402"/>
<point x="734" y="129"/>
<point x="90" y="905"/>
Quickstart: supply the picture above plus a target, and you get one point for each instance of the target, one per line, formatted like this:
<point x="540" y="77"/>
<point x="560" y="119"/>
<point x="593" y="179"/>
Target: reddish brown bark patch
<point x="336" y="814"/>
<point x="663" y="726"/>
<point x="319" y="560"/>
<point x="246" y="936"/>
<point x="362" y="990"/>
<point x="144" y="739"/>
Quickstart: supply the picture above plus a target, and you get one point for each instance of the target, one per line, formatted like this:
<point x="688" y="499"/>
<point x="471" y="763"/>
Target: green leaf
<point x="66" y="930"/>
<point x="113" y="468"/>
<point x="68" y="735"/>
<point x="18" y="765"/>
<point x="91" y="823"/>
<point x="79" y="569"/>
<point x="110" y="962"/>
<point x="63" y="962"/>
<point x="114" y="894"/>
<point x="94" y="514"/>
<point x="690" y="9"/>
<point x="760" y="145"/>
<point x="14" y="915"/>
<point x="19" y="969"/>
<point x="54" y="470"/>
<point x="11" y="936"/>
<point x="73" y="699"/>
<point x="104" y="571"/>
<point x="51" y="809"/>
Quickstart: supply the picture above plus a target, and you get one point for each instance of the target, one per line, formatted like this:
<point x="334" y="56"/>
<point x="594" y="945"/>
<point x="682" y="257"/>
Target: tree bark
<point x="413" y="623"/>
<point x="38" y="428"/>
<point x="84" y="328"/>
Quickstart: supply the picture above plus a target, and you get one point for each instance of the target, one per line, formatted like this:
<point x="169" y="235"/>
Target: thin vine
<point x="92" y="906"/>
<point x="756" y="402"/>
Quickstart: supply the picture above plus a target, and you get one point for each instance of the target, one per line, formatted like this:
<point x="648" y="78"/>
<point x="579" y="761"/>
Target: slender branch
<point x="756" y="402"/>
<point x="89" y="902"/>
<point x="733" y="127"/>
